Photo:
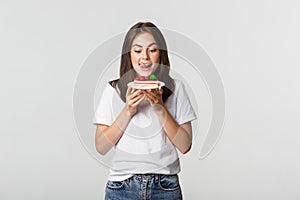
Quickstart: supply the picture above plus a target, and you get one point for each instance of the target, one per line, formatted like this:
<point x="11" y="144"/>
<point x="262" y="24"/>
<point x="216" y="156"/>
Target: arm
<point x="108" y="136"/>
<point x="179" y="135"/>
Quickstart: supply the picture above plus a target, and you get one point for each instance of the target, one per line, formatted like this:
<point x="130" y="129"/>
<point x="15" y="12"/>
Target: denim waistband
<point x="146" y="187"/>
<point x="148" y="177"/>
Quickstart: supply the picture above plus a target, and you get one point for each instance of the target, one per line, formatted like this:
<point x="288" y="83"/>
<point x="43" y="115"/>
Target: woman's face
<point x="144" y="54"/>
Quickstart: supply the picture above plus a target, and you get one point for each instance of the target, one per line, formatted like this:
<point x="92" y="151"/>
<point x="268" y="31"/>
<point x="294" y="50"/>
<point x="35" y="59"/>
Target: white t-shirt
<point x="144" y="146"/>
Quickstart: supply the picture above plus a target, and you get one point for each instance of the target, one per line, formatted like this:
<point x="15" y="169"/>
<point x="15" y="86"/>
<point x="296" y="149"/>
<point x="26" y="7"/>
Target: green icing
<point x="152" y="77"/>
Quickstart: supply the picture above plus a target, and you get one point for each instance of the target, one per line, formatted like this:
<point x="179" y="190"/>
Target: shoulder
<point x="108" y="90"/>
<point x="179" y="86"/>
<point x="109" y="87"/>
<point x="180" y="91"/>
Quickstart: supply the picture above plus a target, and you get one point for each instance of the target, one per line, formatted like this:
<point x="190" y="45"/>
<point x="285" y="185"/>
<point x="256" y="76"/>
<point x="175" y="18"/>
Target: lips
<point x="145" y="64"/>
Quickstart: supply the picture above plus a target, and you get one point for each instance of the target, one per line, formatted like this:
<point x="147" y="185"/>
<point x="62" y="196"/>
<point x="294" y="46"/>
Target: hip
<point x="145" y="187"/>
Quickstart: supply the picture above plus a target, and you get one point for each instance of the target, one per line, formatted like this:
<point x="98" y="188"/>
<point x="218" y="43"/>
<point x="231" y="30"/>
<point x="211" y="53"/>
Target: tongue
<point x="145" y="65"/>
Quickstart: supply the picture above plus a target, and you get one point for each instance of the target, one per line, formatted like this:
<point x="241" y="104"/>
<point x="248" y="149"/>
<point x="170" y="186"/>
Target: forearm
<point x="179" y="136"/>
<point x="107" y="137"/>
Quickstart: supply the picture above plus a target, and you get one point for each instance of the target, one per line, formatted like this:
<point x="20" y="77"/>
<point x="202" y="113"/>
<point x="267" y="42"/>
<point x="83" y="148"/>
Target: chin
<point x="146" y="74"/>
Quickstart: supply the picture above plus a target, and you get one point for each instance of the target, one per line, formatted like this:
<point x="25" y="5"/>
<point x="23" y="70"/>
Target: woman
<point x="147" y="128"/>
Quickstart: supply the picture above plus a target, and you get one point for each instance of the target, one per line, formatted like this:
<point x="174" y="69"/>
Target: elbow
<point x="101" y="147"/>
<point x="101" y="150"/>
<point x="184" y="151"/>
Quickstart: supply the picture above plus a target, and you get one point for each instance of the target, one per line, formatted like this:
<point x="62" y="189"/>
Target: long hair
<point x="127" y="73"/>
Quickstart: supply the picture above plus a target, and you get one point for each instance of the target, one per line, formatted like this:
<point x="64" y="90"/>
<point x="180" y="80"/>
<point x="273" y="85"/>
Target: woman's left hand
<point x="154" y="96"/>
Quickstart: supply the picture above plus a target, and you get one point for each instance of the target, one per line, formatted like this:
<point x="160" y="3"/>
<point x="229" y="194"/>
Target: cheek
<point x="133" y="58"/>
<point x="155" y="58"/>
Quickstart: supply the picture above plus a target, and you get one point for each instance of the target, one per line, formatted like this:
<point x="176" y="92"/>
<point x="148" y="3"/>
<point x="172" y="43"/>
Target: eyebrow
<point x="142" y="46"/>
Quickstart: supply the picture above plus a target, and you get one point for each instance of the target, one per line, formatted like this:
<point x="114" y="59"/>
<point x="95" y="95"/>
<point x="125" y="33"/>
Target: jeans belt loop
<point x="156" y="178"/>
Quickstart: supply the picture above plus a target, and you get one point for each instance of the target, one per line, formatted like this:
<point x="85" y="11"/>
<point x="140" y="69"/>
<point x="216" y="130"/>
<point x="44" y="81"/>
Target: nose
<point x="145" y="55"/>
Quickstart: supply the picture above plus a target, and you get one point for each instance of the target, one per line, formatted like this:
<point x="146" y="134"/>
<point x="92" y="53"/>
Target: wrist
<point x="128" y="113"/>
<point x="159" y="108"/>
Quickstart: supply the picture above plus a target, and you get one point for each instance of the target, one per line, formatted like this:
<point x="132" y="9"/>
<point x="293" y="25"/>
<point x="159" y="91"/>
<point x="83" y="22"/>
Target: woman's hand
<point x="154" y="96"/>
<point x="133" y="99"/>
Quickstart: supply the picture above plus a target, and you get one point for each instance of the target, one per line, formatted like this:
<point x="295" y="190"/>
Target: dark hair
<point x="127" y="73"/>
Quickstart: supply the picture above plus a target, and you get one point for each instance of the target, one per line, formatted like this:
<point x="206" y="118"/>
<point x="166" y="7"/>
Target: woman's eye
<point x="137" y="51"/>
<point x="153" y="50"/>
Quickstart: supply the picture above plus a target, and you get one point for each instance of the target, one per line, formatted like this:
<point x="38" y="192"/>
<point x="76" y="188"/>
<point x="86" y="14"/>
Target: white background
<point x="254" y="44"/>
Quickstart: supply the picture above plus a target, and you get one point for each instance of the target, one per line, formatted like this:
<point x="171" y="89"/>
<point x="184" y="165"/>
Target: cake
<point x="143" y="82"/>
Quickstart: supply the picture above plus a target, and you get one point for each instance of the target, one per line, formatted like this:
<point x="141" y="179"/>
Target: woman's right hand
<point x="133" y="98"/>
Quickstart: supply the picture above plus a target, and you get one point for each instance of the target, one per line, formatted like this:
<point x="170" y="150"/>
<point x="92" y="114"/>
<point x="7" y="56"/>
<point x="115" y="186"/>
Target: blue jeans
<point x="145" y="187"/>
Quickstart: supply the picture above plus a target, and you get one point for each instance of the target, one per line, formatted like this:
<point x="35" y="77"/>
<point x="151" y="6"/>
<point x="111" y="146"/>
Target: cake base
<point x="145" y="86"/>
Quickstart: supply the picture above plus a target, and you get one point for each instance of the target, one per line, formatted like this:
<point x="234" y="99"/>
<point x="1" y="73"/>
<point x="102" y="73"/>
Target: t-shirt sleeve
<point x="184" y="111"/>
<point x="104" y="114"/>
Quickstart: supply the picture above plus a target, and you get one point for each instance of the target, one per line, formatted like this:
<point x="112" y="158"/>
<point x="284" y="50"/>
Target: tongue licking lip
<point x="145" y="65"/>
